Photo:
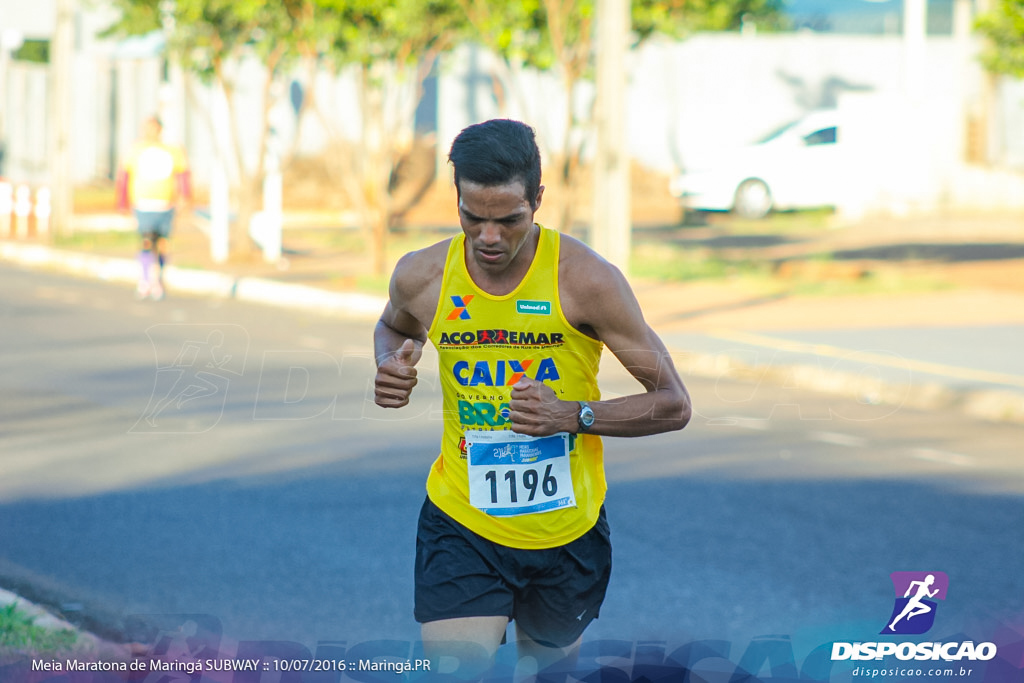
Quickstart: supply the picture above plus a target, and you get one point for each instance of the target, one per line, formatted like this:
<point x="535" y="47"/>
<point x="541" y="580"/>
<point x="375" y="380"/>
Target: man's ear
<point x="540" y="196"/>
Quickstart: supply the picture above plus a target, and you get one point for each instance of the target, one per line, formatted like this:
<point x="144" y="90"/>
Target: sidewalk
<point x="936" y="348"/>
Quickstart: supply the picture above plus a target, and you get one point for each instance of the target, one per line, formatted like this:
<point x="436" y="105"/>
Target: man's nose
<point x="490" y="233"/>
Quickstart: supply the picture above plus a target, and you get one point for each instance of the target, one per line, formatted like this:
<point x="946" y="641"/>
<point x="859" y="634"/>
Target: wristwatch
<point x="586" y="417"/>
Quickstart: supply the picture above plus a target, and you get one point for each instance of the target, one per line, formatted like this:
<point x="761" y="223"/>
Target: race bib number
<point x="514" y="474"/>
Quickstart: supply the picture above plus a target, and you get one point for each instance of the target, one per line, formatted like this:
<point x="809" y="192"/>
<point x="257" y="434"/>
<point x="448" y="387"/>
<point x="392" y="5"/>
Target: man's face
<point x="497" y="221"/>
<point x="151" y="130"/>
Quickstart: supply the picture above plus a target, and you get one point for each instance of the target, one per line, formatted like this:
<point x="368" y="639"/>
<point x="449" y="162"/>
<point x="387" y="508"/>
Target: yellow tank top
<point x="485" y="344"/>
<point x="152" y="168"/>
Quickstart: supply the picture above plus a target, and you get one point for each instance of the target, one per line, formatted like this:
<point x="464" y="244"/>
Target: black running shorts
<point x="552" y="594"/>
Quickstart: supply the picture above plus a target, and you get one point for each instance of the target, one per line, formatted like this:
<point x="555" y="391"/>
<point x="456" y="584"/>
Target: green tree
<point x="1004" y="27"/>
<point x="679" y="18"/>
<point x="37" y="51"/>
<point x="390" y="47"/>
<point x="211" y="39"/>
<point x="388" y="44"/>
<point x="557" y="35"/>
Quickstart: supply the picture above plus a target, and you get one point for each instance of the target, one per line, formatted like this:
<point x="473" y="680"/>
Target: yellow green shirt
<point x="485" y="344"/>
<point x="152" y="169"/>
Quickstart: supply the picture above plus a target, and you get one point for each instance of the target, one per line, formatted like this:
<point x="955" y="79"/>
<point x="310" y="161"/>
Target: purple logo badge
<point x="916" y="592"/>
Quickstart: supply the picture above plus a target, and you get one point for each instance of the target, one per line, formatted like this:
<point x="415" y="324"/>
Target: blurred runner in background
<point x="152" y="181"/>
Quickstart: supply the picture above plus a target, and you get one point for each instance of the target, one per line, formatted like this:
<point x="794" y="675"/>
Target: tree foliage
<point x="679" y="18"/>
<point x="203" y="34"/>
<point x="1004" y="27"/>
<point x="37" y="51"/>
<point x="530" y="31"/>
<point x="388" y="41"/>
<point x="396" y="31"/>
<point x="390" y="45"/>
<point x="380" y="38"/>
<point x="557" y="35"/>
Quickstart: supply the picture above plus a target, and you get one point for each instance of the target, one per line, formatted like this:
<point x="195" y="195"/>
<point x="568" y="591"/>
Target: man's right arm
<point x="121" y="190"/>
<point x="400" y="333"/>
<point x="397" y="355"/>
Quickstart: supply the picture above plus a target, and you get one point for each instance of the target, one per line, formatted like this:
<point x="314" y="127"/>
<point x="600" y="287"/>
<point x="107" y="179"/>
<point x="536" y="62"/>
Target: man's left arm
<point x="608" y="307"/>
<point x="182" y="179"/>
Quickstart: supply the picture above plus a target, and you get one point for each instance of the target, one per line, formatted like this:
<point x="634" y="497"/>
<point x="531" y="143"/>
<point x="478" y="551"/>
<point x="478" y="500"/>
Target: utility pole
<point x="62" y="195"/>
<point x="988" y="143"/>
<point x="915" y="21"/>
<point x="611" y="226"/>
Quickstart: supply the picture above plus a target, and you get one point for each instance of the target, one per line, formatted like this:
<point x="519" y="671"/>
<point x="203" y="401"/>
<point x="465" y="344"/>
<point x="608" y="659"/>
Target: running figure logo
<point x="194" y="369"/>
<point x="916" y="592"/>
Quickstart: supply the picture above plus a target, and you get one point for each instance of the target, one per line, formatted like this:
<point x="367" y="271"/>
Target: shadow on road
<point x="731" y="306"/>
<point x="947" y="253"/>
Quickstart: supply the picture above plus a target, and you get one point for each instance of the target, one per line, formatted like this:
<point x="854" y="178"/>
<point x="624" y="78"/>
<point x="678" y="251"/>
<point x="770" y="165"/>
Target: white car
<point x="795" y="167"/>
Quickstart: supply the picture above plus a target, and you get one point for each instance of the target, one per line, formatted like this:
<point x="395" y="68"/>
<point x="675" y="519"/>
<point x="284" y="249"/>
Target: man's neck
<point x="506" y="280"/>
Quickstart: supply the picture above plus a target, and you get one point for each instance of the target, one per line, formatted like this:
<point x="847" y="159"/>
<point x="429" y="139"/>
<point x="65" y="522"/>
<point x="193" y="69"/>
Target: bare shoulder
<point x="416" y="281"/>
<point x="584" y="272"/>
<point x="593" y="290"/>
<point x="418" y="268"/>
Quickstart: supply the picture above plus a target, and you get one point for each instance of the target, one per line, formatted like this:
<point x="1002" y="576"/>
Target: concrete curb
<point x="254" y="290"/>
<point x="991" y="405"/>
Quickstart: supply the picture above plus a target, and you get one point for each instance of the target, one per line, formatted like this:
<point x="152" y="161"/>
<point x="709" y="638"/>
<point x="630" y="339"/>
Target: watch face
<point x="586" y="416"/>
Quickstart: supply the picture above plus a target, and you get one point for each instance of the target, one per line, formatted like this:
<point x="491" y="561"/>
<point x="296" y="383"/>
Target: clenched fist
<point x="396" y="376"/>
<point x="534" y="409"/>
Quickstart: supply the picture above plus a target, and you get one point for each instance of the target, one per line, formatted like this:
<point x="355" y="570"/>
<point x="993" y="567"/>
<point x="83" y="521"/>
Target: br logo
<point x="460" y="311"/>
<point x="916" y="592"/>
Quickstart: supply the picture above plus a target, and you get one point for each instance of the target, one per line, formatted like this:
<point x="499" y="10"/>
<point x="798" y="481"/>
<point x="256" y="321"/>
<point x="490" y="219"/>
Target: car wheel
<point x="753" y="199"/>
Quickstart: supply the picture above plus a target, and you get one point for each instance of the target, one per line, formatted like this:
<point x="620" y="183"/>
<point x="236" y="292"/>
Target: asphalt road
<point x="210" y="457"/>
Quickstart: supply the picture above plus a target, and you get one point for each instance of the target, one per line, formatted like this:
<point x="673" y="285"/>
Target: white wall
<point x="719" y="88"/>
<point x="688" y="99"/>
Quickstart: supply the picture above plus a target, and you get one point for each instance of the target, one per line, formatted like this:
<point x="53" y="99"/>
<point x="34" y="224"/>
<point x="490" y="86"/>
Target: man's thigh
<point x="560" y="600"/>
<point x="455" y="576"/>
<point x="553" y="594"/>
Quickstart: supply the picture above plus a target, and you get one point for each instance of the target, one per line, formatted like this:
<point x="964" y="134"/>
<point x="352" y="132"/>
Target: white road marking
<point x="838" y="439"/>
<point x="942" y="457"/>
<point x="755" y="423"/>
<point x="894" y="360"/>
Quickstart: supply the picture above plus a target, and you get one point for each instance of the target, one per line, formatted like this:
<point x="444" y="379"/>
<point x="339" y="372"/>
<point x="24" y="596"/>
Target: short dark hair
<point x="497" y="152"/>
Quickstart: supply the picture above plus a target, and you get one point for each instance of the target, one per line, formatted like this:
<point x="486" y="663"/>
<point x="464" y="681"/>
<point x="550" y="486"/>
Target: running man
<point x="153" y="179"/>
<point x="513" y="527"/>
<point x="914" y="606"/>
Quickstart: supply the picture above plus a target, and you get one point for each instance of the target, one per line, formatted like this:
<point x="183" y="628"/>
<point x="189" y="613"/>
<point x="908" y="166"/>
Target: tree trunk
<point x="242" y="246"/>
<point x="377" y="169"/>
<point x="250" y="184"/>
<point x="365" y="168"/>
